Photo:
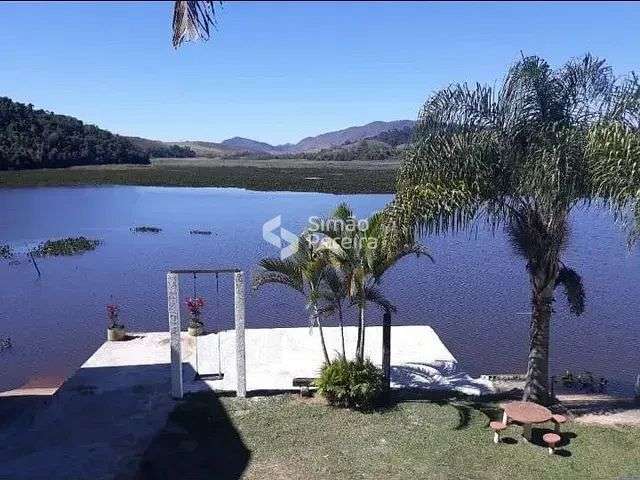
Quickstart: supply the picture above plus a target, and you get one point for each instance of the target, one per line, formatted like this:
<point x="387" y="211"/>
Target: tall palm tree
<point x="304" y="272"/>
<point x="363" y="257"/>
<point x="520" y="156"/>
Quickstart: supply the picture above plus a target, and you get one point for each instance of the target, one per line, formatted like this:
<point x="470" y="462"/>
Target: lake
<point x="475" y="295"/>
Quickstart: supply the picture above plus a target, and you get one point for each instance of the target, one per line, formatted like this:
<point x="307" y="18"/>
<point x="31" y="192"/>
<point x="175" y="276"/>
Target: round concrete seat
<point x="559" y="418"/>
<point x="497" y="426"/>
<point x="551" y="439"/>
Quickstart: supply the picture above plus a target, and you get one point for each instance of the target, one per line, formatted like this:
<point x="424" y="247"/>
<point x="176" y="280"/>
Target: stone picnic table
<point x="526" y="413"/>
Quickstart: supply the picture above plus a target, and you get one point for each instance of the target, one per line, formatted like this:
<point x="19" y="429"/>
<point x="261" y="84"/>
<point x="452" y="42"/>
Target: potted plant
<point x="115" y="330"/>
<point x="196" y="326"/>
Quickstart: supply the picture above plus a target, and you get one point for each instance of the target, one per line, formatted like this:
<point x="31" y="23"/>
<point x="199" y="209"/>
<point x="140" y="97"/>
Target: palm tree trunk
<point x="537" y="381"/>
<point x="361" y="326"/>
<point x="344" y="351"/>
<point x="316" y="317"/>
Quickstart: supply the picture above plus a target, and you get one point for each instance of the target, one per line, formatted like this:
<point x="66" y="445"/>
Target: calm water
<point x="475" y="295"/>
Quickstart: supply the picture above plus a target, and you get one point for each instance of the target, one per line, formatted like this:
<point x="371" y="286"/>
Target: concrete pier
<point x="275" y="356"/>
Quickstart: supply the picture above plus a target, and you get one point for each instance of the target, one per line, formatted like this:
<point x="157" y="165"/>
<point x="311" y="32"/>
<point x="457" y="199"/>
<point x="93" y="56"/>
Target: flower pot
<point x="116" y="334"/>
<point x="195" y="329"/>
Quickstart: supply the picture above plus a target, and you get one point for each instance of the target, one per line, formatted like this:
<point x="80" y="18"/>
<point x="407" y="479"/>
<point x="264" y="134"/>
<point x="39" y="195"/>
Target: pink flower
<point x="195" y="305"/>
<point x="112" y="311"/>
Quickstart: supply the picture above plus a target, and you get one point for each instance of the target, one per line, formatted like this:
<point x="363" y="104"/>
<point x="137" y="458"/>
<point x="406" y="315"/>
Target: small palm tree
<point x="521" y="156"/>
<point x="363" y="256"/>
<point x="304" y="272"/>
<point x="334" y="295"/>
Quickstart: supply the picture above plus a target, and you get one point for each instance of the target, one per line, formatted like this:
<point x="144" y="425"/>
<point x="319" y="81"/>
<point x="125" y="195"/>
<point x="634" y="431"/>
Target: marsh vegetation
<point x="65" y="246"/>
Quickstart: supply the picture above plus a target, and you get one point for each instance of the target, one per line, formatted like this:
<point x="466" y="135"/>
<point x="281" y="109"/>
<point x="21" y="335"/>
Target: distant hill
<point x="252" y="146"/>
<point x="392" y="133"/>
<point x="31" y="138"/>
<point x="362" y="150"/>
<point x="207" y="149"/>
<point x="158" y="149"/>
<point x="396" y="137"/>
<point x="348" y="135"/>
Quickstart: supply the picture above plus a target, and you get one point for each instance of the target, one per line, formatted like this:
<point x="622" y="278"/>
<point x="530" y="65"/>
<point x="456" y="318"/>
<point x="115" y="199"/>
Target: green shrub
<point x="351" y="384"/>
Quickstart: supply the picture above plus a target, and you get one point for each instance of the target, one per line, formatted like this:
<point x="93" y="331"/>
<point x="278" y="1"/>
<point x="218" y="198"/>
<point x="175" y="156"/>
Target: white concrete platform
<point x="275" y="356"/>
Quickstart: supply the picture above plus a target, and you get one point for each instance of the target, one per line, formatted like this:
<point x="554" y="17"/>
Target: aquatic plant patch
<point x="6" y="252"/>
<point x="146" y="229"/>
<point x="65" y="246"/>
<point x="330" y="179"/>
<point x="585" y="381"/>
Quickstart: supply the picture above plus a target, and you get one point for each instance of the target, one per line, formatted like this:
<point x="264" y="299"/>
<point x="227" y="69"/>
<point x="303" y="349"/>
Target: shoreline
<point x="371" y="177"/>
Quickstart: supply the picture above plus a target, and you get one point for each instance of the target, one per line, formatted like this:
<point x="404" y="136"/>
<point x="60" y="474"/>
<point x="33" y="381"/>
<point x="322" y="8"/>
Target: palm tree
<point x="361" y="253"/>
<point x="521" y="156"/>
<point x="334" y="294"/>
<point x="304" y="271"/>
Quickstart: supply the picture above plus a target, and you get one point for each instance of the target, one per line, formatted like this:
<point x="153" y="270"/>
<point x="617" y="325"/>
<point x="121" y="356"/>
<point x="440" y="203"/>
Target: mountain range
<point x="329" y="140"/>
<point x="33" y="138"/>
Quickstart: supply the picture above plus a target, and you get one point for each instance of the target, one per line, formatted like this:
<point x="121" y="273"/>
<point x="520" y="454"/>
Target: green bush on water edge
<point x="65" y="246"/>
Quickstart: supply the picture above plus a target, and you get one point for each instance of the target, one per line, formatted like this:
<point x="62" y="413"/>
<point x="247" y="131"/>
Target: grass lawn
<point x="284" y="437"/>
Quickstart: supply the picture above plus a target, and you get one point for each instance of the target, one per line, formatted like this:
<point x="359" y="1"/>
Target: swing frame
<point x="175" y="326"/>
<point x="209" y="376"/>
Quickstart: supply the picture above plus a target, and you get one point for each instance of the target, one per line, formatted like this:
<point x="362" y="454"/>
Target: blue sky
<point x="278" y="72"/>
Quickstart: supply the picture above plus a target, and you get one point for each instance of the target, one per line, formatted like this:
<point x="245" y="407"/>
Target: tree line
<point x="31" y="138"/>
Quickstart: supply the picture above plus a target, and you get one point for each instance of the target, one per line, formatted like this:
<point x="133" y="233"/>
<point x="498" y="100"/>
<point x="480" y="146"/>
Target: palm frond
<point x="192" y="20"/>
<point x="284" y="272"/>
<point x="536" y="237"/>
<point x="374" y="295"/>
<point x="573" y="288"/>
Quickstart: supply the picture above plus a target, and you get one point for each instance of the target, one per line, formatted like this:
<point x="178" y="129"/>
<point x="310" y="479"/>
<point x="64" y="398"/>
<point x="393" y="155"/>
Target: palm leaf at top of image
<point x="193" y="20"/>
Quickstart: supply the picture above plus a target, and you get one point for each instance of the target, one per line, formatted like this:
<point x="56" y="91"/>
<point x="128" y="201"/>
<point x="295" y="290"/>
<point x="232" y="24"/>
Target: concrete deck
<point x="275" y="356"/>
<point x="101" y="421"/>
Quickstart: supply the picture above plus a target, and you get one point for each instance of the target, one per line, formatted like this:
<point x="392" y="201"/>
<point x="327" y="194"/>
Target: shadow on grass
<point x="198" y="441"/>
<point x="465" y="405"/>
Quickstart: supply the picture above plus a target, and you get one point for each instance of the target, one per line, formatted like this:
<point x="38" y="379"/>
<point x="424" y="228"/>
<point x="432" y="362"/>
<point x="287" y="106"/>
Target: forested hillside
<point x="395" y="137"/>
<point x="364" y="150"/>
<point x="158" y="149"/>
<point x="31" y="138"/>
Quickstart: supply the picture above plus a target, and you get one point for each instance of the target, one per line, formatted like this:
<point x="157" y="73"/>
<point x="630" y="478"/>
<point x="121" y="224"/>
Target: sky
<point x="281" y="71"/>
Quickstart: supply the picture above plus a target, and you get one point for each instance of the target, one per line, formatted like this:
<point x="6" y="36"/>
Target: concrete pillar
<point x="241" y="372"/>
<point x="173" y="301"/>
